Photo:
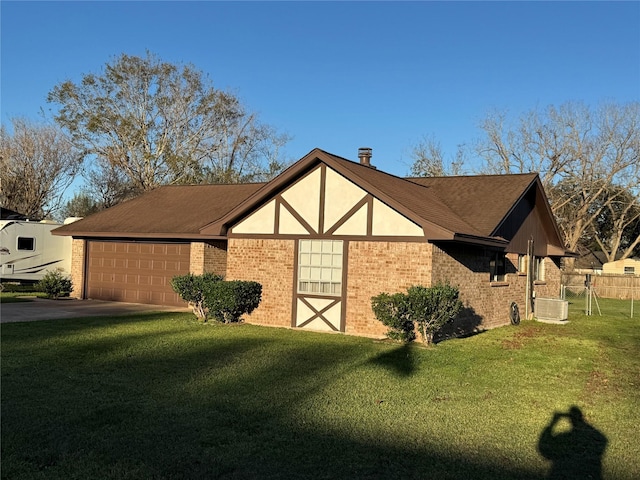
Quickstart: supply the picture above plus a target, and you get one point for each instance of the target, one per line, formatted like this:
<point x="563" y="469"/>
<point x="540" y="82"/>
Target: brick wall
<point x="78" y="249"/>
<point x="376" y="267"/>
<point x="487" y="304"/>
<point x="210" y="257"/>
<point x="269" y="262"/>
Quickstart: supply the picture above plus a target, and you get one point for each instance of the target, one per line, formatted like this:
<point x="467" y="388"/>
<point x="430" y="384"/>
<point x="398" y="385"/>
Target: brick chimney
<point x="364" y="154"/>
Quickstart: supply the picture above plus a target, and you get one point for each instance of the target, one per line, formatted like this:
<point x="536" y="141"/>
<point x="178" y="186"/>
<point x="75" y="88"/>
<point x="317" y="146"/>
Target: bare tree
<point x="587" y="158"/>
<point x="429" y="160"/>
<point x="37" y="164"/>
<point x="156" y="123"/>
<point x="616" y="230"/>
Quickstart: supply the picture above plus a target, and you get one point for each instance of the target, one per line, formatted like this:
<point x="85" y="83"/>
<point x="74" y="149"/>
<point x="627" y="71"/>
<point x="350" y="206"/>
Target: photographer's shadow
<point x="576" y="452"/>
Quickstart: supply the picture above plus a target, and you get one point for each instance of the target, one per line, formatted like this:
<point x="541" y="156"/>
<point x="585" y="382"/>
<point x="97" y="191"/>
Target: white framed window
<point x="538" y="269"/>
<point x="27" y="243"/>
<point x="497" y="267"/>
<point x="320" y="266"/>
<point x="629" y="270"/>
<point x="522" y="263"/>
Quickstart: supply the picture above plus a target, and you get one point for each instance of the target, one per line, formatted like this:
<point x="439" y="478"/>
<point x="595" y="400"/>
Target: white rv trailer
<point x="28" y="250"/>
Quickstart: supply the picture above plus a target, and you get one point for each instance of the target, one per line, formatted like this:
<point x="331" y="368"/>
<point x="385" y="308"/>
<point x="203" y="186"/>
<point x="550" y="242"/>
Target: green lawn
<point x="163" y="397"/>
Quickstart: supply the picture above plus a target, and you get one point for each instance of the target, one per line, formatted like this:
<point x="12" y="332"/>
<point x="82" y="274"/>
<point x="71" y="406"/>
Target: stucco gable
<point x="322" y="202"/>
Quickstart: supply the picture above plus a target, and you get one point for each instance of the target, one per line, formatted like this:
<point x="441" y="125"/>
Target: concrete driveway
<point x="42" y="309"/>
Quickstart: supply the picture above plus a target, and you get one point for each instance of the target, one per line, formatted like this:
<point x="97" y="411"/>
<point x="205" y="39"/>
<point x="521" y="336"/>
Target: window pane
<point x="320" y="266"/>
<point x="26" y="243"/>
<point x="305" y="273"/>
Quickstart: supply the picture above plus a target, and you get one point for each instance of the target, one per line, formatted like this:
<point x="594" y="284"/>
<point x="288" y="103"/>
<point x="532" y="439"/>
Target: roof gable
<point x="408" y="198"/>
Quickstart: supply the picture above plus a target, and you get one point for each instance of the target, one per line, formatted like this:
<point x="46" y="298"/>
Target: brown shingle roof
<point x="413" y="197"/>
<point x="442" y="213"/>
<point x="446" y="207"/>
<point x="483" y="200"/>
<point x="177" y="211"/>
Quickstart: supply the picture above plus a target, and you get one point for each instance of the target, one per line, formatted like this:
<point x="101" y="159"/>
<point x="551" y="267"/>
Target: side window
<point x="629" y="270"/>
<point x="320" y="267"/>
<point x="497" y="267"/>
<point x="26" y="243"/>
<point x="522" y="263"/>
<point x="538" y="269"/>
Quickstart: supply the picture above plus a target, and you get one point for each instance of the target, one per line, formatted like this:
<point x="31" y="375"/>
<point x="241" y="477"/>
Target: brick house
<point x="324" y="237"/>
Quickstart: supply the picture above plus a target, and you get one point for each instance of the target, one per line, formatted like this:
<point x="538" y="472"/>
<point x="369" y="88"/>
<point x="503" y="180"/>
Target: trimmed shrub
<point x="393" y="312"/>
<point x="428" y="307"/>
<point x="191" y="289"/>
<point x="55" y="284"/>
<point x="431" y="308"/>
<point x="228" y="301"/>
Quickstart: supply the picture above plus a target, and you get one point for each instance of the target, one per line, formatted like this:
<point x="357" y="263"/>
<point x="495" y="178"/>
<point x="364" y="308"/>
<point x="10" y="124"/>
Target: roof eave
<point x="478" y="240"/>
<point x="140" y="236"/>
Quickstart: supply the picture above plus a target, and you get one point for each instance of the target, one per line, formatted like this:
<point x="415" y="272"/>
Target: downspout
<point x="528" y="306"/>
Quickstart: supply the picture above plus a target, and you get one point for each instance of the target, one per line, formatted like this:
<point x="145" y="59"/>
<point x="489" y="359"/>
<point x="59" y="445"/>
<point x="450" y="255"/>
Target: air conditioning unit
<point x="551" y="309"/>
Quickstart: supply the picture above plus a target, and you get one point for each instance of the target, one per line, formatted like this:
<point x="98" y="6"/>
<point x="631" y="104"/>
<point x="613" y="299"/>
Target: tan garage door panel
<point x="136" y="272"/>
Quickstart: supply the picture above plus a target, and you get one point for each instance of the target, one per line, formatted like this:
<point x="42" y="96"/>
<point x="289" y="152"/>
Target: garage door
<point x="135" y="272"/>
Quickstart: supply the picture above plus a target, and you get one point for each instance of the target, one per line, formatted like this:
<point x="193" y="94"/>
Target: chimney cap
<point x="365" y="154"/>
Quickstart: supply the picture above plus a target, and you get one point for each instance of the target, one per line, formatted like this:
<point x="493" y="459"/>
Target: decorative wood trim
<point x="276" y="215"/>
<point x="342" y="298"/>
<point x="323" y="186"/>
<point x="319" y="313"/>
<point x="294" y="293"/>
<point x="348" y="215"/>
<point x="317" y="236"/>
<point x="295" y="214"/>
<point x="345" y="286"/>
<point x="369" y="198"/>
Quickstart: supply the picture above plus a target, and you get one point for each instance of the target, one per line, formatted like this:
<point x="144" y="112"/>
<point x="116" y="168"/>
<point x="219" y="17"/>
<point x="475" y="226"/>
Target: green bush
<point x="228" y="301"/>
<point x="428" y="307"/>
<point x="211" y="297"/>
<point x="191" y="289"/>
<point x="392" y="311"/>
<point x="55" y="284"/>
<point x="431" y="308"/>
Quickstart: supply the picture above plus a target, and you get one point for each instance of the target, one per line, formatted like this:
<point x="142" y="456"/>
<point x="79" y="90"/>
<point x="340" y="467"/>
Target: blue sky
<point x="342" y="75"/>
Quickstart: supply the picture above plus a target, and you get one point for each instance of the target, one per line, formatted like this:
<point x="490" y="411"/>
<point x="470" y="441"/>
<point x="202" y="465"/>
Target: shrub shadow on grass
<point x="466" y="324"/>
<point x="400" y="360"/>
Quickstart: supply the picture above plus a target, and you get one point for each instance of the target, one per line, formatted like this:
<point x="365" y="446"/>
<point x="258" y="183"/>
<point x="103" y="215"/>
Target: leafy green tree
<point x="80" y="205"/>
<point x="150" y="123"/>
